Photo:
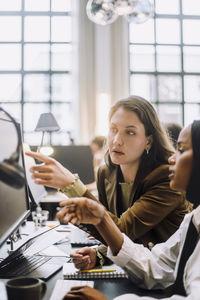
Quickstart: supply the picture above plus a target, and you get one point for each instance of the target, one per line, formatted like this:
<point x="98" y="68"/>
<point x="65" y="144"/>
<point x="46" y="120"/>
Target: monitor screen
<point x="14" y="203"/>
<point x="37" y="191"/>
<point x="76" y="158"/>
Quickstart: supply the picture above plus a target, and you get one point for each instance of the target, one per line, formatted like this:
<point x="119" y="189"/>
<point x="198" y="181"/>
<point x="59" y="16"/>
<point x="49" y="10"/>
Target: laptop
<point x="26" y="260"/>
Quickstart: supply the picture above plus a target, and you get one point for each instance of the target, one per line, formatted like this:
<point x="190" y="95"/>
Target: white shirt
<point x="157" y="269"/>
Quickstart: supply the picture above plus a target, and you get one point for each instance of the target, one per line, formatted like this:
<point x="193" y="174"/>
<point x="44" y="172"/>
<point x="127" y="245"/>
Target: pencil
<point x="97" y="271"/>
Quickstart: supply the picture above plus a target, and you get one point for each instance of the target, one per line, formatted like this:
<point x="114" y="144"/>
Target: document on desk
<point x="45" y="240"/>
<point x="62" y="287"/>
<point x="3" y="294"/>
<point x="54" y="252"/>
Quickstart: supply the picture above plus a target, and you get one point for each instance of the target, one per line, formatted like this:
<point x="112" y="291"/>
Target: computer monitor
<point x="36" y="191"/>
<point x="14" y="201"/>
<point x="76" y="158"/>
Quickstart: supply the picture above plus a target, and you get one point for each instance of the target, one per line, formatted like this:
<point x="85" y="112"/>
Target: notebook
<point x="111" y="271"/>
<point x="62" y="287"/>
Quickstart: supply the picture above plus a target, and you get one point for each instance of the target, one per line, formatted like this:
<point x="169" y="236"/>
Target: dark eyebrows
<point x="131" y="126"/>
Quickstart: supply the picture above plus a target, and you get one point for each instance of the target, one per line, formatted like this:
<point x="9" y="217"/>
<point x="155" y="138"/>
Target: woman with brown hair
<point x="133" y="185"/>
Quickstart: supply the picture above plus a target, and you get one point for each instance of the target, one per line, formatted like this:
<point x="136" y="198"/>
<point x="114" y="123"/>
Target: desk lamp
<point x="46" y="123"/>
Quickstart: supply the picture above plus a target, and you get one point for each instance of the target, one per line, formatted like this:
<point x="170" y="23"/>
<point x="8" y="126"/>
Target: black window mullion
<point x="182" y="62"/>
<point x="22" y="67"/>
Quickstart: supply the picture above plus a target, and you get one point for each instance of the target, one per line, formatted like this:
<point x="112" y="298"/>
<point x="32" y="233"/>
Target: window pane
<point x="167" y="7"/>
<point x="37" y="29"/>
<point x="191" y="59"/>
<point x="14" y="110"/>
<point x="37" y="5"/>
<point x="10" y="5"/>
<point x="10" y="29"/>
<point x="10" y="57"/>
<point x="61" y="29"/>
<point x="10" y="87"/>
<point x="61" y="87"/>
<point x="58" y="138"/>
<point x="168" y="59"/>
<point x="169" y="88"/>
<point x="170" y="113"/>
<point x="192" y="88"/>
<point x="36" y="87"/>
<point x="61" y="5"/>
<point x="190" y="32"/>
<point x="143" y="85"/>
<point x="191" y="7"/>
<point x="168" y="31"/>
<point x="36" y="57"/>
<point x="142" y="58"/>
<point x="192" y="112"/>
<point x="64" y="116"/>
<point x="142" y="33"/>
<point x="61" y="57"/>
<point x="33" y="139"/>
<point x="32" y="113"/>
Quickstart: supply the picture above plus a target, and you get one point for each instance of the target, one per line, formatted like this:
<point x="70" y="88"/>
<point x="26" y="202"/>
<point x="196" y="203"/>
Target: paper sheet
<point x="53" y="251"/>
<point x="62" y="287"/>
<point x="45" y="240"/>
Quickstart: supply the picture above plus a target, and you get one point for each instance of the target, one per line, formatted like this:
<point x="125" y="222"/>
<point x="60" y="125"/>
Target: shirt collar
<point x="196" y="218"/>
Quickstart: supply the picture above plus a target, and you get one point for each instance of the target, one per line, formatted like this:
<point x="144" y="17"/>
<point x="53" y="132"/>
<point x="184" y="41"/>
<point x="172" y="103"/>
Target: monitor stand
<point x="13" y="238"/>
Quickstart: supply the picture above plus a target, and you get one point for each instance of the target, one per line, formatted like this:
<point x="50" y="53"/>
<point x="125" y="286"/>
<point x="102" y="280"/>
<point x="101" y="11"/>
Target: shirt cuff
<point x="125" y="253"/>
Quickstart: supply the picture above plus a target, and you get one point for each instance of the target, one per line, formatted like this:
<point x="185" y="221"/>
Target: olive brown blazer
<point x="155" y="211"/>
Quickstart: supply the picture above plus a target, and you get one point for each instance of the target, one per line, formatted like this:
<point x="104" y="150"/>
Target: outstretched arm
<point x="84" y="210"/>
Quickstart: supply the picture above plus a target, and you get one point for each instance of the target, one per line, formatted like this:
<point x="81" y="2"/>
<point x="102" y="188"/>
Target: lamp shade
<point x="47" y="122"/>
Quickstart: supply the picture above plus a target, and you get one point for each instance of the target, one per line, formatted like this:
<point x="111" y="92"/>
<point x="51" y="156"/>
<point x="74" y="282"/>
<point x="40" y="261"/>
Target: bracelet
<point x="100" y="259"/>
<point x="75" y="189"/>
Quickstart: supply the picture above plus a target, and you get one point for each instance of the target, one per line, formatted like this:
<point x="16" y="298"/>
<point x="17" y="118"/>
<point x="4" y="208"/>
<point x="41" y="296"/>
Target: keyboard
<point x="26" y="261"/>
<point x="22" y="265"/>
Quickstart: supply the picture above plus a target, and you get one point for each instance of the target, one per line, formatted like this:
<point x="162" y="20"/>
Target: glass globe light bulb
<point x="142" y="12"/>
<point x="124" y="7"/>
<point x="100" y="13"/>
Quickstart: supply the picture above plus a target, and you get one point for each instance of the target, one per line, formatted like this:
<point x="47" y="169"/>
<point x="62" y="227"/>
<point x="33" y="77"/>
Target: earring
<point x="147" y="150"/>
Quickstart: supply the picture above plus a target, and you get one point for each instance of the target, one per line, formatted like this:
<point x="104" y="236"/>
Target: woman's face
<point x="126" y="138"/>
<point x="182" y="161"/>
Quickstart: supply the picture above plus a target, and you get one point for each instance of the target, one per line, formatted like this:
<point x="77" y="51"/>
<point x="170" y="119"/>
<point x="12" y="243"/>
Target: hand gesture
<point x="81" y="210"/>
<point x="50" y="173"/>
<point x="84" y="259"/>
<point x="84" y="293"/>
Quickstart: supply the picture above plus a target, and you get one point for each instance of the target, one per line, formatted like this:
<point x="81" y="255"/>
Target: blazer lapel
<point x="111" y="191"/>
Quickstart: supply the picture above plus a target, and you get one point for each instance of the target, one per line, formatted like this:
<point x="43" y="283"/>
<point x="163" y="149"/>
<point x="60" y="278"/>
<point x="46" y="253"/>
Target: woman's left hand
<point x="84" y="293"/>
<point x="81" y="210"/>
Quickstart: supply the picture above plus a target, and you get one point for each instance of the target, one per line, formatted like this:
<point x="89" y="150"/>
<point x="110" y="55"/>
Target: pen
<point x="96" y="271"/>
<point x="70" y="205"/>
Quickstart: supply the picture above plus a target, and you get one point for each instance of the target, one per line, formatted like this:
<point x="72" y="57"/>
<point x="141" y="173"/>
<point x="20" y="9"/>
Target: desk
<point x="109" y="287"/>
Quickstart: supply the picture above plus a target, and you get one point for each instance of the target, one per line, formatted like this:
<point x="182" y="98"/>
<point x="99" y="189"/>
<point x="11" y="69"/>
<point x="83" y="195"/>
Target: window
<point x="36" y="64"/>
<point x="165" y="59"/>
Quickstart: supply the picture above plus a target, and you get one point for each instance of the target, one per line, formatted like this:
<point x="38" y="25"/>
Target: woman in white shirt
<point x="159" y="267"/>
